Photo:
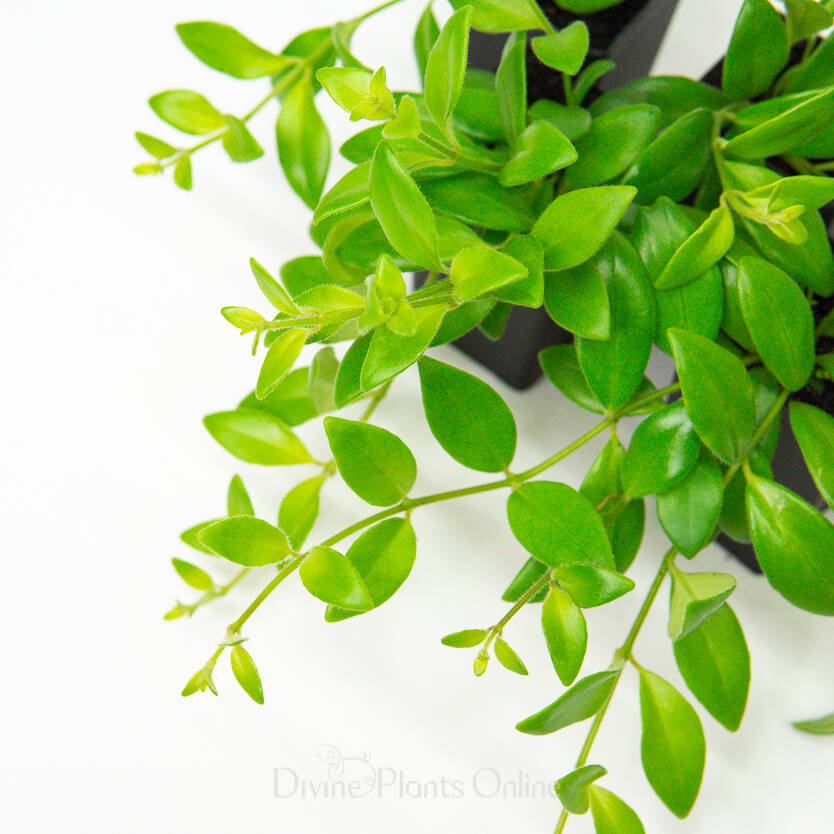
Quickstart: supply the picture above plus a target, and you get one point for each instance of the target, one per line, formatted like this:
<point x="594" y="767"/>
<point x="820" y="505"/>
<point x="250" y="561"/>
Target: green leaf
<point x="672" y="747"/>
<point x="662" y="451"/>
<point x="573" y="789"/>
<point x="374" y="463"/>
<point x="576" y="225"/>
<point x="717" y="392"/>
<point x="564" y="51"/>
<point x="529" y="291"/>
<point x="424" y="38"/>
<point x="690" y="510"/>
<point x="256" y="437"/>
<point x="402" y="211"/>
<point x="350" y="192"/>
<point x="279" y="360"/>
<point x="155" y="147"/>
<point x="531" y="572"/>
<point x="477" y="270"/>
<point x="290" y="401"/>
<point x="238" y="501"/>
<point x="590" y="586"/>
<point x="446" y="67"/>
<point x="390" y="354"/>
<point x="507" y="657"/>
<point x="661" y="170"/>
<point x="540" y="150"/>
<point x="583" y="700"/>
<point x="332" y="578"/>
<point x="715" y="663"/>
<point x="611" y="815"/>
<point x="224" y="49"/>
<point x="246" y="674"/>
<point x="246" y="541"/>
<point x="614" y="368"/>
<point x="812" y="74"/>
<point x="700" y="251"/>
<point x="272" y="290"/>
<point x="814" y="431"/>
<point x="558" y="526"/>
<point x="238" y="142"/>
<point x="466" y="639"/>
<point x="196" y="577"/>
<point x="299" y="510"/>
<point x="187" y="111"/>
<point x="794" y="543"/>
<point x="577" y="299"/>
<point x="695" y="598"/>
<point x="500" y="15"/>
<point x="612" y="144"/>
<point x="303" y="143"/>
<point x="819" y="726"/>
<point x="383" y="556"/>
<point x="467" y="417"/>
<point x="561" y="367"/>
<point x="806" y="18"/>
<point x="323" y="371"/>
<point x="585" y="6"/>
<point x="511" y="87"/>
<point x="779" y="320"/>
<point x="406" y="124"/>
<point x="182" y="173"/>
<point x="566" y="634"/>
<point x="757" y="53"/>
<point x="786" y="131"/>
<point x="574" y="122"/>
<point x="191" y="536"/>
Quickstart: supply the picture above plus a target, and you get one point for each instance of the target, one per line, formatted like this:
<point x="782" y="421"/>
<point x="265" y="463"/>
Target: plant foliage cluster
<point x="665" y="213"/>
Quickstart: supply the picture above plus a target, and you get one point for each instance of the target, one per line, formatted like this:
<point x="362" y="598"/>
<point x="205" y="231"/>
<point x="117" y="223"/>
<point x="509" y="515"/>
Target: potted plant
<point x="660" y="215"/>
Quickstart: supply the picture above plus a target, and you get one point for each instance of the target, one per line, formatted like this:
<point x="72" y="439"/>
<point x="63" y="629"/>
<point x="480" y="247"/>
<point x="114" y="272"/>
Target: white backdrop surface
<point x="113" y="350"/>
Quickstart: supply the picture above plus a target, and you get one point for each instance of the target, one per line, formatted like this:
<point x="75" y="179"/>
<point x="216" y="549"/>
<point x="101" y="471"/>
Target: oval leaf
<point x="246" y="541"/>
<point x="566" y="634"/>
<point x="331" y="577"/>
<point x="256" y="437"/>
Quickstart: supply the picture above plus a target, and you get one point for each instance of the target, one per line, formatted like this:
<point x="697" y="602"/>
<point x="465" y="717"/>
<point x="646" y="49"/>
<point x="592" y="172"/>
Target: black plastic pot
<point x="629" y="34"/>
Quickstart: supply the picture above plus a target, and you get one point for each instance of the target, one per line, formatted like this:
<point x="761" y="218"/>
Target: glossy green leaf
<point x="614" y="368"/>
<point x="155" y="147"/>
<point x="531" y="572"/>
<point x="700" y="251"/>
<point x="673" y="748"/>
<point x="304" y="273"/>
<point x="576" y="225"/>
<point x="812" y="74"/>
<point x="238" y="501"/>
<point x="590" y="586"/>
<point x="574" y="122"/>
<point x="383" y="556"/>
<point x="182" y="173"/>
<point x="626" y="534"/>
<point x="467" y="417"/>
<point x="566" y="634"/>
<point x="611" y="815"/>
<point x="191" y="536"/>
<point x="225" y="49"/>
<point x="299" y="510"/>
<point x="407" y="122"/>
<point x="402" y="211"/>
<point x="757" y="53"/>
<point x="187" y="111"/>
<point x="246" y="674"/>
<point x="511" y="87"/>
<point x="814" y="431"/>
<point x="272" y="290"/>
<point x="529" y="291"/>
<point x="806" y="18"/>
<point x="279" y="360"/>
<point x="565" y="50"/>
<point x="715" y="663"/>
<point x="662" y="451"/>
<point x="779" y="320"/>
<point x="290" y="401"/>
<point x="239" y="143"/>
<point x="661" y="170"/>
<point x="303" y="143"/>
<point x="577" y="299"/>
<point x="246" y="541"/>
<point x="690" y="510"/>
<point x="561" y="367"/>
<point x="508" y="658"/>
<point x="557" y="525"/>
<point x="818" y="726"/>
<point x="196" y="577"/>
<point x="573" y="789"/>
<point x="539" y="151"/>
<point x="256" y="437"/>
<point x="390" y="354"/>
<point x="592" y="73"/>
<point x="794" y="544"/>
<point x="477" y="270"/>
<point x="612" y="144"/>
<point x="466" y="639"/>
<point x="322" y="382"/>
<point x="425" y="36"/>
<point x="500" y="15"/>
<point x="695" y="598"/>
<point x="718" y="394"/>
<point x="332" y="577"/>
<point x="446" y="67"/>
<point x="582" y="701"/>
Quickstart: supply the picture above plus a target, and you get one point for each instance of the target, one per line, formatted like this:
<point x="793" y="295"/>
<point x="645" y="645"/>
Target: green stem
<point x="522" y="601"/>
<point x="542" y="18"/>
<point x="235" y="627"/>
<point x="216" y="593"/>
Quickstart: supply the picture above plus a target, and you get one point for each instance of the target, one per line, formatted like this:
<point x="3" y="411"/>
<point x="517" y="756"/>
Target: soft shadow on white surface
<point x="114" y="350"/>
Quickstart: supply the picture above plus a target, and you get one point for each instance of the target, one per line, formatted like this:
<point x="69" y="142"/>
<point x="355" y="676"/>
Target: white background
<point x="113" y="350"/>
